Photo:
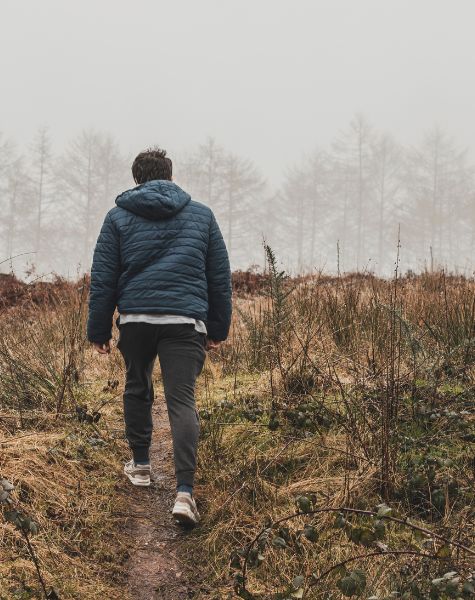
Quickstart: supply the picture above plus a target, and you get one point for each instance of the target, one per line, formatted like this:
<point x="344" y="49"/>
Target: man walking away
<point x="161" y="260"/>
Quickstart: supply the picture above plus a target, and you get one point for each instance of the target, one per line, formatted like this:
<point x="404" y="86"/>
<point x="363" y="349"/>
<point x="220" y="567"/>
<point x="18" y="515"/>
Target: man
<point x="161" y="259"/>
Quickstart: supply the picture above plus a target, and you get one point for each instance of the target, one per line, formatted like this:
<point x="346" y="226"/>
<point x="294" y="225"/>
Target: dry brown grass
<point x="338" y="330"/>
<point x="72" y="495"/>
<point x="355" y="348"/>
<point x="65" y="480"/>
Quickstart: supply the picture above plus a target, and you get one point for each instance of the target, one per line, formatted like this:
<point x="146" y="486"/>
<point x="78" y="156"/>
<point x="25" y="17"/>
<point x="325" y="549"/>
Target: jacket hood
<point x="156" y="199"/>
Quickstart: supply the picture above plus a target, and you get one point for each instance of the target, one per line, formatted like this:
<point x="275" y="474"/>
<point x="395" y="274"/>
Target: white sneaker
<point x="184" y="510"/>
<point x="137" y="474"/>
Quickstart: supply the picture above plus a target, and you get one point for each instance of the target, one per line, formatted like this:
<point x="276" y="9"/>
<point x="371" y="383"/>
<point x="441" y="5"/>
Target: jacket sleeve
<point x="218" y="275"/>
<point x="105" y="273"/>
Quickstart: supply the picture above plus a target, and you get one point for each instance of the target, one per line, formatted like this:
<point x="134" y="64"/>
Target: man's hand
<point x="211" y="344"/>
<point x="102" y="348"/>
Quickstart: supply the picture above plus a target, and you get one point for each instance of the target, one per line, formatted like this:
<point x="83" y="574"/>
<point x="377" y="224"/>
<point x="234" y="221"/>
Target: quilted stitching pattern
<point x="159" y="251"/>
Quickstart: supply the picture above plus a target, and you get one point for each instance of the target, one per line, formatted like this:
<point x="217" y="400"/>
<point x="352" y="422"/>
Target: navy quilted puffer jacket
<point x="159" y="251"/>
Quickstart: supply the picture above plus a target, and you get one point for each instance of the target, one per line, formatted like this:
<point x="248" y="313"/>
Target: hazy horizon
<point x="272" y="83"/>
<point x="269" y="80"/>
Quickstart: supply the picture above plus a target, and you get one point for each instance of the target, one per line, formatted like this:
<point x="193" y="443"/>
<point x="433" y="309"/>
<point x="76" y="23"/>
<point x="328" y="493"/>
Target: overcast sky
<point x="270" y="79"/>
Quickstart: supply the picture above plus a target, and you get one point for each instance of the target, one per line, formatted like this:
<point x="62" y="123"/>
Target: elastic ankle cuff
<point x="141" y="454"/>
<point x="185" y="478"/>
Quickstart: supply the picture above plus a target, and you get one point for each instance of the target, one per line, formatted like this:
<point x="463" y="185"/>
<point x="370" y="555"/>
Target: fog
<point x="333" y="128"/>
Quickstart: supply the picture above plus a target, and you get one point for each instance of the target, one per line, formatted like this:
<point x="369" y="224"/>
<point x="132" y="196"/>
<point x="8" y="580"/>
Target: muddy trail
<point x="154" y="569"/>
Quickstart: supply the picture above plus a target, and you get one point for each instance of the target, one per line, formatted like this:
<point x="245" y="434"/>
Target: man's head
<point x="153" y="163"/>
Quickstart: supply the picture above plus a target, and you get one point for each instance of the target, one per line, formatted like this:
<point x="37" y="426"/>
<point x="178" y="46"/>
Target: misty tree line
<point x="53" y="206"/>
<point x="342" y="207"/>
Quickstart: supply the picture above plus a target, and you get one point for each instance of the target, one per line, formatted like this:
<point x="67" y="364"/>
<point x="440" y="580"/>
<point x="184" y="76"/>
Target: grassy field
<point x="337" y="455"/>
<point x="60" y="446"/>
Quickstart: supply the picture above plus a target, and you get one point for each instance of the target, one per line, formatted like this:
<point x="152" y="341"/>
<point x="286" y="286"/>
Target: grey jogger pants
<point x="181" y="352"/>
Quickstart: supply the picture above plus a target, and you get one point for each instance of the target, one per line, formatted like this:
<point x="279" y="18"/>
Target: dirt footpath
<point x="154" y="567"/>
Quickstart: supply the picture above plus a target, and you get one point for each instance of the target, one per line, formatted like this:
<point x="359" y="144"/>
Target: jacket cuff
<point x="216" y="331"/>
<point x="98" y="335"/>
<point x="98" y="340"/>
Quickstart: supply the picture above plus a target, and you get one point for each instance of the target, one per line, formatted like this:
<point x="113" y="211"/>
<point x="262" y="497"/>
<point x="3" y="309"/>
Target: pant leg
<point x="181" y="351"/>
<point x="138" y="346"/>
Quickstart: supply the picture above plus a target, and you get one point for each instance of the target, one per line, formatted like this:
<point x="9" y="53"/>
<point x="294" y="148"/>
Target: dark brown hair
<point x="153" y="163"/>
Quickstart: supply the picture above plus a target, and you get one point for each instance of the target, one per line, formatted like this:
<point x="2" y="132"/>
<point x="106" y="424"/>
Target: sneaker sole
<point x="185" y="516"/>
<point x="139" y="482"/>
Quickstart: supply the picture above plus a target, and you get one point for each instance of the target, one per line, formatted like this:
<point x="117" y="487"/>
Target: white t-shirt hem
<point x="162" y="319"/>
